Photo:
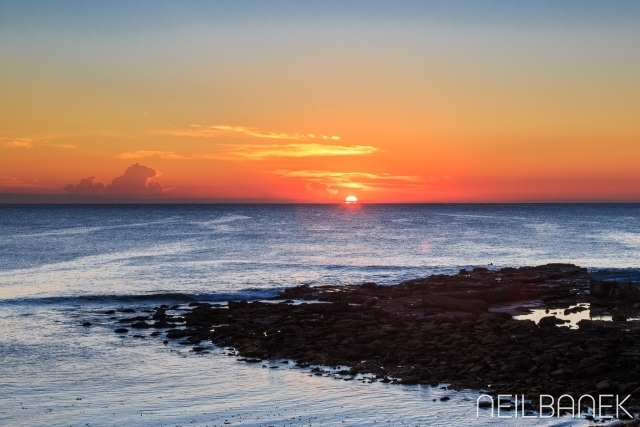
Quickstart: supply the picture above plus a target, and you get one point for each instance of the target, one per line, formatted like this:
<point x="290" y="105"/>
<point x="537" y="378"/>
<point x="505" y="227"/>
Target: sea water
<point x="64" y="265"/>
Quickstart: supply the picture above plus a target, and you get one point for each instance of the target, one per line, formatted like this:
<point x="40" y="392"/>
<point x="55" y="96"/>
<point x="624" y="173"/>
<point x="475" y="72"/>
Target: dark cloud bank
<point x="134" y="182"/>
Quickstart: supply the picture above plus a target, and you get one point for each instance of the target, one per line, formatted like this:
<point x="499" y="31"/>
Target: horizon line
<point x="61" y="199"/>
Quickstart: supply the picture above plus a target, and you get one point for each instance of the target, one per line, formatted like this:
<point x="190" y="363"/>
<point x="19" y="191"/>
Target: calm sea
<point x="61" y="266"/>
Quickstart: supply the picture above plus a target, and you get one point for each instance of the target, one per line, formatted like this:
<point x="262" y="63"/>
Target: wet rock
<point x="140" y="325"/>
<point x="485" y="403"/>
<point x="176" y="333"/>
<point x="160" y="314"/>
<point x="109" y="312"/>
<point x="161" y="324"/>
<point x="603" y="386"/>
<point x="454" y="304"/>
<point x="133" y="319"/>
<point x="550" y="322"/>
<point x="577" y="309"/>
<point x="121" y="331"/>
<point x="475" y="369"/>
<point x="86" y="324"/>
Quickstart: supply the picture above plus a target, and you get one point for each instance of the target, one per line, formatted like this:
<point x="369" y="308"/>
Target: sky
<point x="310" y="102"/>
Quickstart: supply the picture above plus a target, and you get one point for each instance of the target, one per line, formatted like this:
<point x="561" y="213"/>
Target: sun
<point x="351" y="199"/>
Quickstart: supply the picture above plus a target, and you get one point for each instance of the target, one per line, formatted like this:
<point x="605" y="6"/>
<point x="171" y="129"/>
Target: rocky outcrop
<point x="416" y="333"/>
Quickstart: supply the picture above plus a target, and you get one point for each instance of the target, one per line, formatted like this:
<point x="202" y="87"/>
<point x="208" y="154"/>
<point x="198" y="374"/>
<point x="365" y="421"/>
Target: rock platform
<point x="456" y="329"/>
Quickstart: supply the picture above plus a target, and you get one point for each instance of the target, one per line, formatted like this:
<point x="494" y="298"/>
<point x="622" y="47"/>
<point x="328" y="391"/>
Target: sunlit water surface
<point x="61" y="266"/>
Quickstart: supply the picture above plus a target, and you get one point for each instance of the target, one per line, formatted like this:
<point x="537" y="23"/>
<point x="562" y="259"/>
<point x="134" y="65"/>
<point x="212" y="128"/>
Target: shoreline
<point x="453" y="329"/>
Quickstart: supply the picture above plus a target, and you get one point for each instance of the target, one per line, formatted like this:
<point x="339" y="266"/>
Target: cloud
<point x="66" y="146"/>
<point x="199" y="131"/>
<point x="259" y="152"/>
<point x="13" y="182"/>
<point x="354" y="180"/>
<point x="29" y="143"/>
<point x="321" y="188"/>
<point x="134" y="182"/>
<point x="86" y="186"/>
<point x="141" y="154"/>
<point x="17" y="142"/>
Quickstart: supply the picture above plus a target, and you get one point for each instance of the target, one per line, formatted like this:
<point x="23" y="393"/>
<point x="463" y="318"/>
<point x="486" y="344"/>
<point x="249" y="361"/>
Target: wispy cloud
<point x="345" y="176"/>
<point x="199" y="131"/>
<point x="355" y="180"/>
<point x="259" y="152"/>
<point x="66" y="146"/>
<point x="141" y="154"/>
<point x="8" y="182"/>
<point x="30" y="143"/>
<point x="17" y="142"/>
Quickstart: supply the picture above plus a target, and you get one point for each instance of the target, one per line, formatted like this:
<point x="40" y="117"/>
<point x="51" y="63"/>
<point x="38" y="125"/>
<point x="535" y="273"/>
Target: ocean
<point x="64" y="265"/>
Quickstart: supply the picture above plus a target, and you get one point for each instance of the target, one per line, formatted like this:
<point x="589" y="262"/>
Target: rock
<point x="603" y="386"/>
<point x="485" y="403"/>
<point x="454" y="304"/>
<point x="475" y="370"/>
<point x="161" y="324"/>
<point x="141" y="325"/>
<point x="445" y="399"/>
<point x="176" y="333"/>
<point x="86" y="324"/>
<point x="133" y="319"/>
<point x="618" y="318"/>
<point x="577" y="309"/>
<point x="160" y="314"/>
<point x="109" y="312"/>
<point x="428" y="328"/>
<point x="549" y="322"/>
<point x="121" y="331"/>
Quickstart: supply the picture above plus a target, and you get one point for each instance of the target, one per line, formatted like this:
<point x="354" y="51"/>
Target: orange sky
<point x="243" y="103"/>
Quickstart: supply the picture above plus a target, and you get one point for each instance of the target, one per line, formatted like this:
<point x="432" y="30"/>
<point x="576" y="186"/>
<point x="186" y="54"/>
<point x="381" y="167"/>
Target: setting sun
<point x="351" y="199"/>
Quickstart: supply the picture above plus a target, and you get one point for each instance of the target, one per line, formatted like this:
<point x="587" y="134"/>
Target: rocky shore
<point x="456" y="329"/>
